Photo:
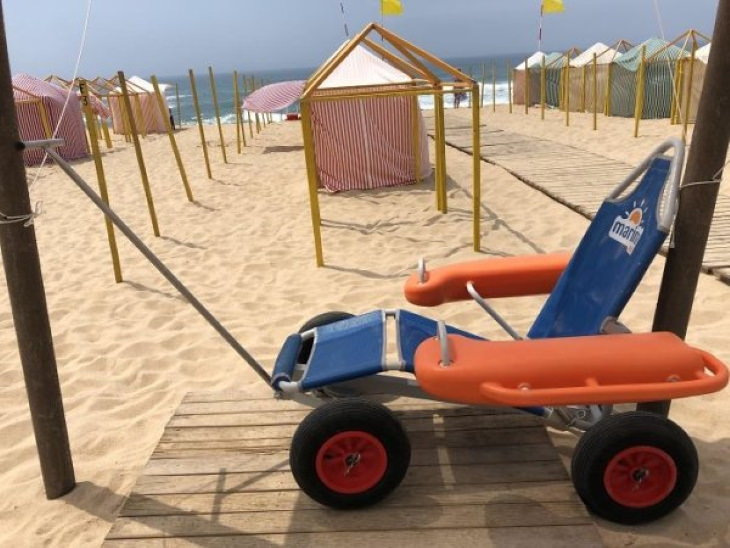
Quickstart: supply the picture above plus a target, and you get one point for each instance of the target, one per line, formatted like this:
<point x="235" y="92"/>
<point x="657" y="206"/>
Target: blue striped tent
<point x="661" y="60"/>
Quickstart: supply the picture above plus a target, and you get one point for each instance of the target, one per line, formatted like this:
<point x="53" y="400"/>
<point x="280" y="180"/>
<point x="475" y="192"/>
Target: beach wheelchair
<point x="575" y="363"/>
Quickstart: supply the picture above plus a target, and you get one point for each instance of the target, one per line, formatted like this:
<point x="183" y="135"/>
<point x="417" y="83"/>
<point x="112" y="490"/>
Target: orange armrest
<point x="495" y="277"/>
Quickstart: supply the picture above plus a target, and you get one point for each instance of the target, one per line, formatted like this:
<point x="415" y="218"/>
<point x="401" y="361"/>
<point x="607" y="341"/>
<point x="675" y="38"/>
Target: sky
<point x="166" y="37"/>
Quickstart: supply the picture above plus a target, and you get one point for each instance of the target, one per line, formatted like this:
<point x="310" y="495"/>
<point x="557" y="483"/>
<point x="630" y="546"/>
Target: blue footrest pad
<point x="286" y="361"/>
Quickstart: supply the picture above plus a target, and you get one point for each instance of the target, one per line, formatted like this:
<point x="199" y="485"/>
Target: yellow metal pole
<point x="476" y="173"/>
<point x="217" y="113"/>
<point x="177" y="97"/>
<point x="494" y="88"/>
<point x="639" y="102"/>
<point x="595" y="92"/>
<point x="171" y="135"/>
<point x="688" y="99"/>
<point x="543" y="90"/>
<point x="416" y="127"/>
<point x="527" y="87"/>
<point x="440" y="154"/>
<point x="484" y="77"/>
<point x="138" y="114"/>
<point x="309" y="156"/>
<point x="236" y="111"/>
<point x="583" y="89"/>
<point x="509" y="86"/>
<point x="86" y="106"/>
<point x="140" y="158"/>
<point x="675" y="93"/>
<point x="200" y="123"/>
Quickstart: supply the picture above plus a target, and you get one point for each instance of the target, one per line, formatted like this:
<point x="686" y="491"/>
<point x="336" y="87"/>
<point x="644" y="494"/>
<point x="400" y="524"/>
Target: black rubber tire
<point x="318" y="321"/>
<point x="347" y="415"/>
<point x="612" y="435"/>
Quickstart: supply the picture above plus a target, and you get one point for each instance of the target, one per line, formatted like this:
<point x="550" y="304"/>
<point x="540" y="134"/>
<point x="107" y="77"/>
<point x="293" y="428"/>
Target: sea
<point x="479" y="68"/>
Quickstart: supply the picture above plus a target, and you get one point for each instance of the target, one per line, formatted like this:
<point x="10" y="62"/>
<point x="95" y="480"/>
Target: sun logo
<point x="628" y="230"/>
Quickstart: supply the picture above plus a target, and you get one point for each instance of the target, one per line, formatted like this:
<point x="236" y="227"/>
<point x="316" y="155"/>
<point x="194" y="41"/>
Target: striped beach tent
<point x="95" y="100"/>
<point x="38" y="107"/>
<point x="581" y="77"/>
<point x="368" y="143"/>
<point x="145" y="109"/>
<point x="660" y="61"/>
<point x="556" y="70"/>
<point x="691" y="77"/>
<point x="274" y="97"/>
<point x="520" y="79"/>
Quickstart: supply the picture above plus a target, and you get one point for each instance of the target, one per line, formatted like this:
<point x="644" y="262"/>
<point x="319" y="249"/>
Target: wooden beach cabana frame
<point x="416" y="63"/>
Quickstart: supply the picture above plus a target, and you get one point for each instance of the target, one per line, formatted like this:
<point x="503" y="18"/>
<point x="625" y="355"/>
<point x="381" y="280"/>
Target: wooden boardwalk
<point x="220" y="477"/>
<point x="576" y="178"/>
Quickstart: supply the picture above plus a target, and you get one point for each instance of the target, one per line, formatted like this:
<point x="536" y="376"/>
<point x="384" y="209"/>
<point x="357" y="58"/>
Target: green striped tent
<point x="554" y="74"/>
<point x="535" y="70"/>
<point x="660" y="60"/>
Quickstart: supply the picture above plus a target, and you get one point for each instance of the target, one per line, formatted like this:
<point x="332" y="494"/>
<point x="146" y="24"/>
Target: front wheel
<point x="634" y="467"/>
<point x="349" y="453"/>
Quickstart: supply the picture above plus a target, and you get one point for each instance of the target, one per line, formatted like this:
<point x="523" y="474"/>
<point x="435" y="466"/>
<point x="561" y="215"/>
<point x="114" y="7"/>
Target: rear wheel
<point x="634" y="467"/>
<point x="349" y="453"/>
<point x="318" y="321"/>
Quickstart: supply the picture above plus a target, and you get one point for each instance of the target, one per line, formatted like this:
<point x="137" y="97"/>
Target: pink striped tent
<point x="359" y="144"/>
<point x="146" y="111"/>
<point x="38" y="106"/>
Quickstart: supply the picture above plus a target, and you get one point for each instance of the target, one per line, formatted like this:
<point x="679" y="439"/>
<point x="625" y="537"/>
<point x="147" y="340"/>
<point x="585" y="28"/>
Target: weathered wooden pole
<point x="199" y="118"/>
<point x="217" y="113"/>
<point x="595" y="92"/>
<point x="527" y="87"/>
<point x="697" y="199"/>
<point x="639" y="99"/>
<point x="688" y="99"/>
<point x="28" y="300"/>
<point x="509" y="86"/>
<point x="494" y="88"/>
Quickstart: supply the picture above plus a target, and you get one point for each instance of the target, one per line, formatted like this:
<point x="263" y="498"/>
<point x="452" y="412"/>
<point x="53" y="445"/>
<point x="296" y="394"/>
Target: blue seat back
<point x="609" y="262"/>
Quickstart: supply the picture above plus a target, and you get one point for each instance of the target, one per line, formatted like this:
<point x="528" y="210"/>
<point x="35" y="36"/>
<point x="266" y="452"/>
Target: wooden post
<point x="105" y="131"/>
<point x="236" y="111"/>
<point x="566" y="89"/>
<point x="100" y="177"/>
<point x="217" y="113"/>
<point x="248" y="115"/>
<point x="140" y="158"/>
<point x="527" y="87"/>
<point x="138" y="114"/>
<point x="309" y="156"/>
<point x="595" y="92"/>
<point x="697" y="204"/>
<point x="171" y="136"/>
<point x="583" y="88"/>
<point x="607" y="106"/>
<point x="494" y="88"/>
<point x="639" y="102"/>
<point x="476" y="172"/>
<point x="484" y="78"/>
<point x="543" y="90"/>
<point x="509" y="86"/>
<point x="688" y="99"/>
<point x="201" y="130"/>
<point x="28" y="301"/>
<point x="125" y="119"/>
<point x="256" y="115"/>
<point x="177" y="98"/>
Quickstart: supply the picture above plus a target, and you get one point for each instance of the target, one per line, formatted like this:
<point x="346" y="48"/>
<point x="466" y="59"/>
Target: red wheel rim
<point x="351" y="462"/>
<point x="640" y="476"/>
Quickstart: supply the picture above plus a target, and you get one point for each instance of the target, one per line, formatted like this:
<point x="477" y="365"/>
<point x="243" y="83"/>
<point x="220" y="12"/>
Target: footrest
<point x="600" y="369"/>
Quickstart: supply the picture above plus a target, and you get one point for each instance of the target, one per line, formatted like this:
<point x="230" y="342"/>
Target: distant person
<point x="172" y="119"/>
<point x="459" y="96"/>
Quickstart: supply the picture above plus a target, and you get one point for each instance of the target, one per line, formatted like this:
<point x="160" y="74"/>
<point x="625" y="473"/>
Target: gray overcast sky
<point x="169" y="36"/>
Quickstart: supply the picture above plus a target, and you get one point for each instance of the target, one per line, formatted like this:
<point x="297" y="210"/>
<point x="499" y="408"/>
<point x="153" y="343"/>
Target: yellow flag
<point x="391" y="7"/>
<point x="552" y="6"/>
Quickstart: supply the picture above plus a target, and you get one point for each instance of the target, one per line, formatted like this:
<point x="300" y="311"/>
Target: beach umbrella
<point x="274" y="97"/>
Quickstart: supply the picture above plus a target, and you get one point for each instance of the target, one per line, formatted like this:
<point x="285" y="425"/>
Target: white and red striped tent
<point x="367" y="143"/>
<point x="145" y="109"/>
<point x="38" y="107"/>
<point x="359" y="144"/>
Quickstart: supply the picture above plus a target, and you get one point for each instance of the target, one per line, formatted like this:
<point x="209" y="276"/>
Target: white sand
<point x="127" y="353"/>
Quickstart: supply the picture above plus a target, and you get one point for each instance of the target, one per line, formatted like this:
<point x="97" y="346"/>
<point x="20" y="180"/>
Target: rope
<point x="70" y="93"/>
<point x="26" y="219"/>
<point x="657" y="11"/>
<point x="344" y="19"/>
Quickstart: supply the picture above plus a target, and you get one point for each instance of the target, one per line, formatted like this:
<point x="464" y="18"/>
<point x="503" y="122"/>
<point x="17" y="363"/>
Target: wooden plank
<point x="419" y="457"/>
<point x="274" y="480"/>
<point x="579" y="535"/>
<point x="206" y="503"/>
<point x="379" y="518"/>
